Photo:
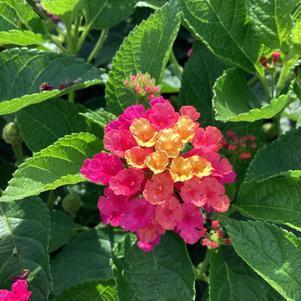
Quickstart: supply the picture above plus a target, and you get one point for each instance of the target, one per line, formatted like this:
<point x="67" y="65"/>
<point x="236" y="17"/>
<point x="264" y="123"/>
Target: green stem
<point x="203" y="266"/>
<point x="18" y="151"/>
<point x="265" y="86"/>
<point x="102" y="37"/>
<point x="40" y="12"/>
<point x="70" y="45"/>
<point x="175" y="62"/>
<point x="51" y="199"/>
<point x="83" y="38"/>
<point x="71" y="96"/>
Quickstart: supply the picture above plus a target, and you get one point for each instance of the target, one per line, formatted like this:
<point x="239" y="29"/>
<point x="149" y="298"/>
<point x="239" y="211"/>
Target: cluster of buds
<point x="215" y="237"/>
<point x="142" y="85"/>
<point x="163" y="172"/>
<point x="19" y="290"/>
<point x="273" y="59"/>
<point x="241" y="147"/>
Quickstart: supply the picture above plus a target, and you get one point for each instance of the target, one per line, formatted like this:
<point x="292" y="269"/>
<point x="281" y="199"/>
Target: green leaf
<point x="275" y="254"/>
<point x="91" y="291"/>
<point x="296" y="34"/>
<point x="20" y="38"/>
<point x="199" y="76"/>
<point x="163" y="274"/>
<point x="224" y="27"/>
<point x="52" y="167"/>
<point x="24" y="236"/>
<point x="272" y="20"/>
<point x="146" y="50"/>
<point x="280" y="157"/>
<point x="275" y="200"/>
<point x="14" y="13"/>
<point x="86" y="258"/>
<point x="234" y="101"/>
<point x="102" y="14"/>
<point x="49" y="121"/>
<point x="66" y="9"/>
<point x="230" y="279"/>
<point x="100" y="117"/>
<point x="22" y="71"/>
<point x="62" y="230"/>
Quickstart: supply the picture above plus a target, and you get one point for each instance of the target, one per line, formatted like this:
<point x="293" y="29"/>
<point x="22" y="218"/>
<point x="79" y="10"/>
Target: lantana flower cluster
<point x="19" y="291"/>
<point x="163" y="171"/>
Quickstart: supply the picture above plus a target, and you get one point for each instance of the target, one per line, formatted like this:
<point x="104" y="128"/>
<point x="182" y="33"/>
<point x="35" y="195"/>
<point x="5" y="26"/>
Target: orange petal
<point x="144" y="133"/>
<point x="200" y="166"/>
<point x="185" y="127"/>
<point x="157" y="161"/>
<point x="170" y="142"/>
<point x="181" y="169"/>
<point x="136" y="156"/>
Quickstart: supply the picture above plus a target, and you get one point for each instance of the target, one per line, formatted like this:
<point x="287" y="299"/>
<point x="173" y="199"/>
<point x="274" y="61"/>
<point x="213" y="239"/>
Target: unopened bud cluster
<point x="274" y="59"/>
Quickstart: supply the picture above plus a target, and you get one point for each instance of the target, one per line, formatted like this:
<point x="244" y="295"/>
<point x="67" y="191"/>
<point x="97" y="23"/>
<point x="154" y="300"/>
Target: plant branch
<point x="18" y="151"/>
<point x="203" y="266"/>
<point x="102" y="37"/>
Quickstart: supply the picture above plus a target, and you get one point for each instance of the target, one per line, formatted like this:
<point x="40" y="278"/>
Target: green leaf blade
<point x="68" y="268"/>
<point x="49" y="121"/>
<point x="200" y="73"/>
<point x="223" y="26"/>
<point x="272" y="252"/>
<point x="164" y="274"/>
<point x="54" y="166"/>
<point x="21" y="38"/>
<point x="23" y="247"/>
<point x="22" y="71"/>
<point x="234" y="101"/>
<point x="146" y="50"/>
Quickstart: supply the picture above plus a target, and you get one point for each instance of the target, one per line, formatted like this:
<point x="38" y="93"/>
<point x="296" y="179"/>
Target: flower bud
<point x="11" y="134"/>
<point x="72" y="203"/>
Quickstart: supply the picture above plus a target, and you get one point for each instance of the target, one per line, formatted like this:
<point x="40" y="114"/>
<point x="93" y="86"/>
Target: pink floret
<point x="214" y="193"/>
<point x="20" y="291"/>
<point x="191" y="112"/>
<point x="159" y="188"/>
<point x="162" y="115"/>
<point x="119" y="141"/>
<point x="127" y="182"/>
<point x="101" y="168"/>
<point x="148" y="246"/>
<point x="112" y="207"/>
<point x="191" y="192"/>
<point x="191" y="227"/>
<point x="132" y="112"/>
<point x="139" y="213"/>
<point x="169" y="213"/>
<point x="208" y="140"/>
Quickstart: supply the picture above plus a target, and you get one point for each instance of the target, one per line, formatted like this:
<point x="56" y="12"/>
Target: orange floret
<point x="136" y="156"/>
<point x="185" y="127"/>
<point x="200" y="166"/>
<point x="170" y="142"/>
<point x="157" y="161"/>
<point x="144" y="133"/>
<point x="181" y="169"/>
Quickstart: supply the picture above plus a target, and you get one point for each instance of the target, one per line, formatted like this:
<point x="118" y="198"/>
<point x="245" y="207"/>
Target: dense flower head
<point x="19" y="291"/>
<point x="163" y="170"/>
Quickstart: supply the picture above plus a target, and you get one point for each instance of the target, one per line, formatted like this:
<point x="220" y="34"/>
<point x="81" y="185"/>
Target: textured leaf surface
<point x="230" y="279"/>
<point x="63" y="8"/>
<point x="13" y="13"/>
<point x="146" y="49"/>
<point x="234" y="101"/>
<point x="20" y="38"/>
<point x="107" y="13"/>
<point x="272" y="20"/>
<point x="100" y="117"/>
<point x="91" y="291"/>
<point x="273" y="253"/>
<point x="276" y="200"/>
<point x="164" y="274"/>
<point x="44" y="123"/>
<point x="54" y="166"/>
<point x="62" y="230"/>
<point x="68" y="267"/>
<point x="280" y="157"/>
<point x="22" y="71"/>
<point x="24" y="236"/>
<point x="224" y="28"/>
<point x="198" y="79"/>
<point x="151" y="3"/>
